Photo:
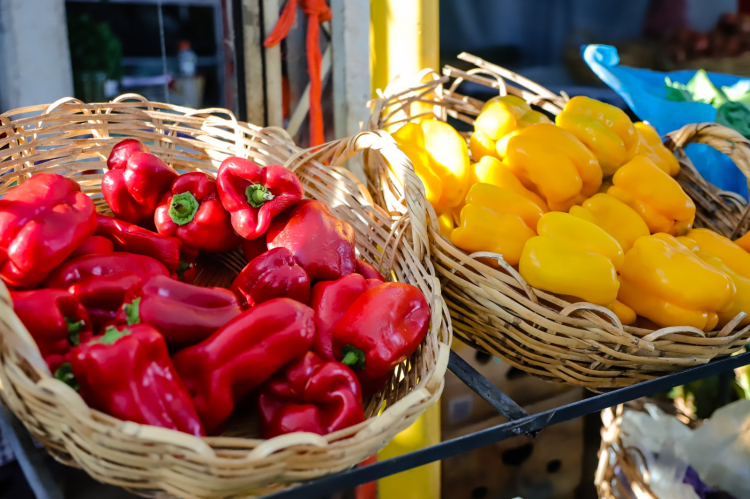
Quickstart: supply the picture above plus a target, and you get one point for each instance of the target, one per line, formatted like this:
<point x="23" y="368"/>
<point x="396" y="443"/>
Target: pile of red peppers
<point x="305" y="333"/>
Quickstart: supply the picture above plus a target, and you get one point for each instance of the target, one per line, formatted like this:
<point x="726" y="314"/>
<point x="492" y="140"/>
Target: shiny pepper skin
<point x="651" y="146"/>
<point x="273" y="274"/>
<point x="574" y="257"/>
<point x="615" y="217"/>
<point x="655" y="196"/>
<point x="490" y="170"/>
<point x="665" y="282"/>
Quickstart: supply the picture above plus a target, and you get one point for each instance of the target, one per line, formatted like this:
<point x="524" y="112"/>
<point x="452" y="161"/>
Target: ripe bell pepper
<point x="192" y="211"/>
<point x="618" y="219"/>
<point x="496" y="220"/>
<point x="555" y="164"/>
<point x="367" y="271"/>
<point x="254" y="195"/>
<point x="651" y="146"/>
<point x="272" y="275"/>
<point x="184" y="314"/>
<point x="491" y="170"/>
<point x="95" y="245"/>
<point x="655" y="196"/>
<point x="135" y="182"/>
<point x="242" y="355"/>
<point x="56" y="321"/>
<point x="42" y="221"/>
<point x="605" y="129"/>
<point x="665" y="282"/>
<point x="321" y="244"/>
<point x="127" y="374"/>
<point x="312" y="396"/>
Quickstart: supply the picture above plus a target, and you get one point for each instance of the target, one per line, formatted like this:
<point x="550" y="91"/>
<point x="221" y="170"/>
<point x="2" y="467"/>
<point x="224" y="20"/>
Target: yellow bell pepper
<point x="626" y="314"/>
<point x="491" y="170"/>
<point x="440" y="158"/>
<point x="744" y="242"/>
<point x="665" y="282"/>
<point x="605" y="129"/>
<point x="445" y="222"/>
<point x="651" y="146"/>
<point x="496" y="220"/>
<point x="572" y="256"/>
<point x="655" y="196"/>
<point x="553" y="163"/>
<point x="615" y="217"/>
<point x="730" y="259"/>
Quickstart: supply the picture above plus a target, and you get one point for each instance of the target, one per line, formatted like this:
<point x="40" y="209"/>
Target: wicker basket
<point x="72" y="138"/>
<point x="538" y="332"/>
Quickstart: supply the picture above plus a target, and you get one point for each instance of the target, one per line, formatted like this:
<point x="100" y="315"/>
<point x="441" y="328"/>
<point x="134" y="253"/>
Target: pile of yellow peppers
<point x="586" y="208"/>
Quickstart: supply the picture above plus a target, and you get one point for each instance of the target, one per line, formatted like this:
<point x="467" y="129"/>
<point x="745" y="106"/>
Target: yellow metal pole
<point x="404" y="39"/>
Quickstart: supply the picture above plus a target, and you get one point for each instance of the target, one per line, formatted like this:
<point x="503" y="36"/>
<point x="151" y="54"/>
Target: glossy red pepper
<point x="192" y="211"/>
<point x="243" y="354"/>
<point x="367" y="271"/>
<point x="381" y="329"/>
<point x="56" y="321"/>
<point x="183" y="313"/>
<point x="135" y="182"/>
<point x="127" y="374"/>
<point x="312" y="396"/>
<point x="272" y="275"/>
<point x="321" y="244"/>
<point x="100" y="282"/>
<point x="42" y="221"/>
<point x="95" y="245"/>
<point x="330" y="300"/>
<point x="255" y="195"/>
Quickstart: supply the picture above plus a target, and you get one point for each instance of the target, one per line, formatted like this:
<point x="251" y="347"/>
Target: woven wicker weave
<point x="73" y="139"/>
<point x="538" y="332"/>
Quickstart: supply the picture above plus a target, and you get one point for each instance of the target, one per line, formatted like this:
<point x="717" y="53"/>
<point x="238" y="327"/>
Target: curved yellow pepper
<point x="445" y="223"/>
<point x="605" y="129"/>
<point x="440" y="158"/>
<point x="665" y="282"/>
<point x="626" y="314"/>
<point x="744" y="242"/>
<point x="491" y="170"/>
<point x="496" y="220"/>
<point x="651" y="146"/>
<point x="572" y="256"/>
<point x="615" y="217"/>
<point x="552" y="162"/>
<point x="654" y="195"/>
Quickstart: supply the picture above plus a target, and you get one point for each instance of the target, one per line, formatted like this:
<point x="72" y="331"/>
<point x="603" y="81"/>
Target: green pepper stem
<point x="65" y="374"/>
<point x="257" y="195"/>
<point x="182" y="268"/>
<point x="183" y="208"/>
<point x="132" y="311"/>
<point x="353" y="357"/>
<point x="111" y="335"/>
<point x="74" y="331"/>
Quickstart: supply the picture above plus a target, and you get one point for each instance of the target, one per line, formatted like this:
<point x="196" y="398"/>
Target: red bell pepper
<point x="243" y="354"/>
<point x="330" y="300"/>
<point x="381" y="329"/>
<point x="56" y="321"/>
<point x="252" y="248"/>
<point x="100" y="282"/>
<point x="272" y="275"/>
<point x="127" y="374"/>
<point x="121" y="152"/>
<point x="321" y="244"/>
<point x="135" y="183"/>
<point x="367" y="271"/>
<point x="184" y="314"/>
<point x="192" y="211"/>
<point x="312" y="396"/>
<point x="42" y="221"/>
<point x="95" y="245"/>
<point x="255" y="195"/>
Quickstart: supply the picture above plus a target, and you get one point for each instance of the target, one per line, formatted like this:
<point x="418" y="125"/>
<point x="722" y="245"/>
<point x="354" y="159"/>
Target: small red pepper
<point x="192" y="211"/>
<point x="95" y="245"/>
<point x="56" y="321"/>
<point x="252" y="248"/>
<point x="135" y="182"/>
<point x="321" y="244"/>
<point x="381" y="329"/>
<point x="312" y="396"/>
<point x="272" y="275"/>
<point x="367" y="271"/>
<point x="243" y="354"/>
<point x="42" y="221"/>
<point x="255" y="195"/>
<point x="183" y="313"/>
<point x="127" y="374"/>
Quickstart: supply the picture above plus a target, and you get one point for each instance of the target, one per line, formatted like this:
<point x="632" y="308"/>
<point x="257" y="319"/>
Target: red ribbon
<point x="317" y="11"/>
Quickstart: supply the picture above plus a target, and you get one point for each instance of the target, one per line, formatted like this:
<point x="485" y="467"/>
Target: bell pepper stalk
<point x="192" y="212"/>
<point x="56" y="321"/>
<point x="95" y="245"/>
<point x="272" y="275"/>
<point x="42" y="221"/>
<point x="183" y="313"/>
<point x="255" y="195"/>
<point x="321" y="244"/>
<point x="135" y="183"/>
<point x="312" y="396"/>
<point x="242" y="355"/>
<point x="330" y="300"/>
<point x="381" y="329"/>
<point x="367" y="271"/>
<point x="127" y="373"/>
